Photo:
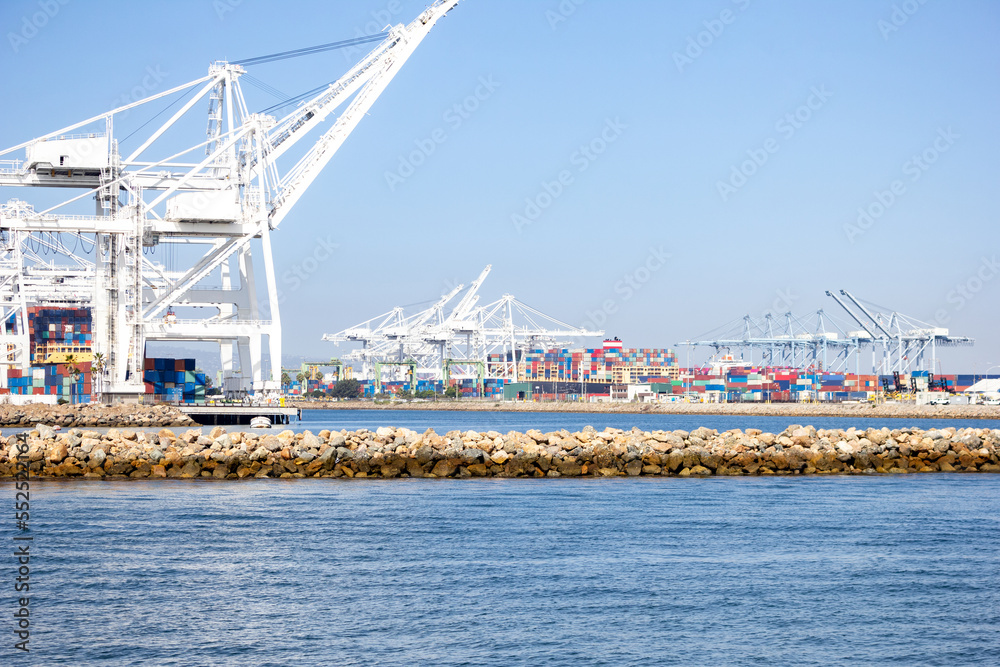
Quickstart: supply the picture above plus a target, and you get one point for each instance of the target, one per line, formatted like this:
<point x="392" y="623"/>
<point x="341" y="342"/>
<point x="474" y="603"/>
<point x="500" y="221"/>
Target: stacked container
<point x="174" y="380"/>
<point x="52" y="380"/>
<point x="59" y="334"/>
<point x="602" y="365"/>
<point x="65" y="330"/>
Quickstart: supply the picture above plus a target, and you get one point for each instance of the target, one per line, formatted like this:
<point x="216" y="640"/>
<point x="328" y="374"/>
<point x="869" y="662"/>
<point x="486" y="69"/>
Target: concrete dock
<point x="225" y="415"/>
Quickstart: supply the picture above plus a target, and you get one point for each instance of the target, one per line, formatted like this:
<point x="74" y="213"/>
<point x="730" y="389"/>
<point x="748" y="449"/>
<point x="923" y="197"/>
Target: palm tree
<point x="97" y="373"/>
<point x="75" y="372"/>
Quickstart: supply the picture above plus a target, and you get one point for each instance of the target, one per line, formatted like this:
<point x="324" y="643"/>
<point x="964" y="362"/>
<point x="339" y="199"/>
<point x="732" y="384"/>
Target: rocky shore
<point x="394" y="453"/>
<point x="790" y="410"/>
<point x="92" y="414"/>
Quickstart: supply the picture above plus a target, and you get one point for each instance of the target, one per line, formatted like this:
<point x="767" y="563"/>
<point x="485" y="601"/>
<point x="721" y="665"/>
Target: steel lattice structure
<point x="897" y="342"/>
<point x="223" y="196"/>
<point x="435" y="337"/>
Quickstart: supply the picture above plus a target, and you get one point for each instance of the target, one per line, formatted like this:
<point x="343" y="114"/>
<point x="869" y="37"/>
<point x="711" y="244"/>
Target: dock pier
<point x="230" y="415"/>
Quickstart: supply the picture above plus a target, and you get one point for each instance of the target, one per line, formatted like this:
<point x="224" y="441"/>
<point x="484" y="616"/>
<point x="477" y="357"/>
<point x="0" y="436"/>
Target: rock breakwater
<point x="92" y="414"/>
<point x="394" y="453"/>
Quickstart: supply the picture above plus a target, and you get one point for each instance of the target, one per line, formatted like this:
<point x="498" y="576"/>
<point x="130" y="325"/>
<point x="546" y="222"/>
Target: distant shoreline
<point x="884" y="410"/>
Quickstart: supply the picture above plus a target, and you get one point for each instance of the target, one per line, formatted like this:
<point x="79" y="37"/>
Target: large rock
<point x="443" y="469"/>
<point x="802" y="436"/>
<point x="702" y="433"/>
<point x="478" y="470"/>
<point x="569" y="468"/>
<point x="692" y="456"/>
<point x="310" y="441"/>
<point x="473" y="455"/>
<point x="66" y="470"/>
<point x="675" y="460"/>
<point x="271" y="443"/>
<point x="96" y="458"/>
<point x="191" y="469"/>
<point x="58" y="452"/>
<point x="329" y="455"/>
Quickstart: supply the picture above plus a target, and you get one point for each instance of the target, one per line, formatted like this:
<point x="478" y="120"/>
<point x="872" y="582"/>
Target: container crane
<point x="220" y="196"/>
<point x="464" y="337"/>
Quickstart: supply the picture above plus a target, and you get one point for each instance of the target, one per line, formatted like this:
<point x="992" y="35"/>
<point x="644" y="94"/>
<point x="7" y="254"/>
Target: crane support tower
<point x="480" y="367"/>
<point x="411" y="366"/>
<point x="218" y="201"/>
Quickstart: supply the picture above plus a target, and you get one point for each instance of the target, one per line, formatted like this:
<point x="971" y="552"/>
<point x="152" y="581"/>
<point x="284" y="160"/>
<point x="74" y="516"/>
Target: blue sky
<point x="738" y="138"/>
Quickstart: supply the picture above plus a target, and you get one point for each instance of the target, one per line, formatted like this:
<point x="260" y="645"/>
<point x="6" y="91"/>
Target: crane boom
<point x="379" y="67"/>
<point x="865" y="311"/>
<point x="464" y="307"/>
<point x="223" y="194"/>
<point x="423" y="317"/>
<point x="851" y="313"/>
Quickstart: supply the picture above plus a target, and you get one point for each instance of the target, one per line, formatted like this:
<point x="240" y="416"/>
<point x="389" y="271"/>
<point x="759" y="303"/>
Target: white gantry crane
<point x="898" y="343"/>
<point x="216" y="202"/>
<point x="435" y="338"/>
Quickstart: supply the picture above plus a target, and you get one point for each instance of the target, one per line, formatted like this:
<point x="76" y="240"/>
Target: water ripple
<point x="739" y="571"/>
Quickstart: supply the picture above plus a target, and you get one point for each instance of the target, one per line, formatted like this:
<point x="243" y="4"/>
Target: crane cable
<point x="295" y="53"/>
<point x="310" y="50"/>
<point x="260" y="85"/>
<point x="160" y="113"/>
<point x="298" y="98"/>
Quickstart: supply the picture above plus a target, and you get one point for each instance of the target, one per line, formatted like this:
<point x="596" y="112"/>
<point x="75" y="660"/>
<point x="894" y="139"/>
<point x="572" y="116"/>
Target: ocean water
<point x="893" y="570"/>
<point x="443" y="421"/>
